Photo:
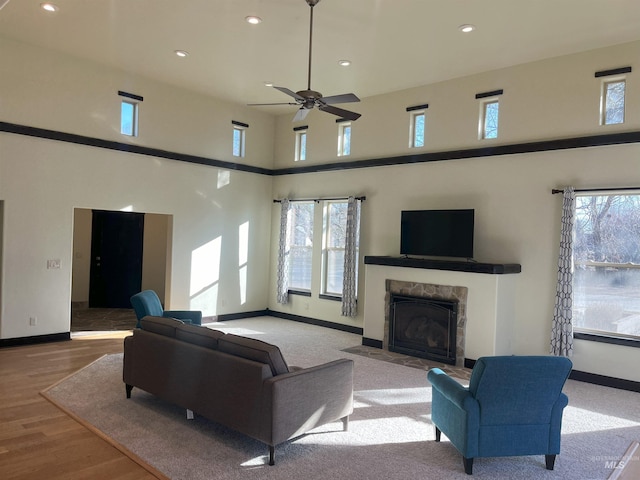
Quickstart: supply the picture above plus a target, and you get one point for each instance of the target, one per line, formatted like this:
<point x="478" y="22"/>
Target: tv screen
<point x="438" y="233"/>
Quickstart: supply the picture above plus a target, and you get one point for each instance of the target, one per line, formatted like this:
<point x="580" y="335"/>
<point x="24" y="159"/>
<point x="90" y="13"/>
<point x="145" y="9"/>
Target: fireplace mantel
<point x="451" y="265"/>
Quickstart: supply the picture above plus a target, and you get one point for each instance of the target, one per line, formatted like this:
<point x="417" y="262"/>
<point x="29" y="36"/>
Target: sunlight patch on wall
<point x="224" y="178"/>
<point x="243" y="258"/>
<point x="205" y="274"/>
<point x="128" y="208"/>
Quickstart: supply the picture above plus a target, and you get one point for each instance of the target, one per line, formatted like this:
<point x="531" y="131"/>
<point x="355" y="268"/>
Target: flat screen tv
<point x="437" y="233"/>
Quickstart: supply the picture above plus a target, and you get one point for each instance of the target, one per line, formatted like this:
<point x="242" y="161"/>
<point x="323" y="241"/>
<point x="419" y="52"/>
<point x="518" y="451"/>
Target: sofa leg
<point x="129" y="388"/>
<point x="345" y="423"/>
<point x="550" y="460"/>
<point x="468" y="465"/>
<point x="438" y="433"/>
<point x="272" y="455"/>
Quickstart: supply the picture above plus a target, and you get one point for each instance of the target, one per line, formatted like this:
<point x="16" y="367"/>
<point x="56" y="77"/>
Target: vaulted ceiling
<point x="392" y="44"/>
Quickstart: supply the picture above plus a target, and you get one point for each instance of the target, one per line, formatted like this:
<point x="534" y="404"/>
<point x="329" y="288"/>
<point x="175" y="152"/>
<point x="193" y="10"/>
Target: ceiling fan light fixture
<point x="467" y="28"/>
<point x="253" y="20"/>
<point x="344" y="63"/>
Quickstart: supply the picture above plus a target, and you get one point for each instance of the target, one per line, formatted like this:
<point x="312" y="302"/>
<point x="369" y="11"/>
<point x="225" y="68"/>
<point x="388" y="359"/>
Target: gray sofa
<point x="242" y="383"/>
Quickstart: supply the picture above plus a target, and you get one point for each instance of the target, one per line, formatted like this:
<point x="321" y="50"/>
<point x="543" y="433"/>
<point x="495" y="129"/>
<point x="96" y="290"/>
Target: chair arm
<point x="451" y="390"/>
<point x="306" y="398"/>
<point x="194" y="316"/>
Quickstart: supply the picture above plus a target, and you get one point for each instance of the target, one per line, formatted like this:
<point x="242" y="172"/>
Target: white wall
<point x="517" y="217"/>
<point x="43" y="181"/>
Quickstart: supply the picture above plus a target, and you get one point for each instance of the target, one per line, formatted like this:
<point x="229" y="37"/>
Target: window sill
<point x="302" y="293"/>
<point x="627" y="342"/>
<point x="335" y="298"/>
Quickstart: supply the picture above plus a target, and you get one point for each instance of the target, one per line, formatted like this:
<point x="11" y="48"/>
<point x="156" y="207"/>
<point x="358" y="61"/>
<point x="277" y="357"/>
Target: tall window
<point x="238" y="140"/>
<point x="335" y="226"/>
<point x="300" y="246"/>
<point x="612" y="101"/>
<point x="301" y="145"/>
<point x="606" y="257"/>
<point x="416" y="134"/>
<point x="344" y="139"/>
<point x="129" y="118"/>
<point x="489" y="118"/>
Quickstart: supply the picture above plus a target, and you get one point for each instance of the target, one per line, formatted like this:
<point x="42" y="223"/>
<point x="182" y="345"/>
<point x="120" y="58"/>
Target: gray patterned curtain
<point x="562" y="328"/>
<point x="282" y="280"/>
<point x="349" y="287"/>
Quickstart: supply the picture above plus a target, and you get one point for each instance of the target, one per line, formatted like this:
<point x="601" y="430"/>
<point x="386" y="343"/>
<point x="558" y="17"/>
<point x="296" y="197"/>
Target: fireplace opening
<point x="423" y="327"/>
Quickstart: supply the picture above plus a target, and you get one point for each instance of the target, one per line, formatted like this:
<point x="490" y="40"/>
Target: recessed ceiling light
<point x="181" y="53"/>
<point x="268" y="84"/>
<point x="344" y="63"/>
<point x="253" y="20"/>
<point x="49" y="7"/>
<point x="466" y="28"/>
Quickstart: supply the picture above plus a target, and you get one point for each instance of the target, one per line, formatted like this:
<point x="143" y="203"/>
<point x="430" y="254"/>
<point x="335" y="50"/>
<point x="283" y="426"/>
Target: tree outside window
<point x="300" y="245"/>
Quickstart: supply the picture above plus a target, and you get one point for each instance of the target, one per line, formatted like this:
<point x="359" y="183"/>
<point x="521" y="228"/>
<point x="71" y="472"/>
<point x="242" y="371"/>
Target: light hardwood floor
<point x="37" y="440"/>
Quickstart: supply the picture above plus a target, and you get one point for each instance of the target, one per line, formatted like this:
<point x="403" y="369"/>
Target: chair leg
<point x="550" y="460"/>
<point x="272" y="455"/>
<point x="129" y="388"/>
<point x="468" y="465"/>
<point x="438" y="433"/>
<point x="345" y="423"/>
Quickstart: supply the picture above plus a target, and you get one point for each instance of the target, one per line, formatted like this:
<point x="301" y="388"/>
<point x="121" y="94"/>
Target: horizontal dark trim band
<point x="595" y="190"/>
<point x="130" y="95"/>
<point x="303" y="127"/>
<point x="614" y="71"/>
<point x="302" y="293"/>
<point x="36" y="339"/>
<point x="342" y="120"/>
<point x="492" y="93"/>
<point x="627" y="342"/>
<point x="318" y="200"/>
<point x="238" y="316"/>
<point x="605" y="381"/>
<point x="333" y="298"/>
<point x="125" y="147"/>
<point x="418" y="107"/>
<point x="371" y="342"/>
<point x="315" y="321"/>
<point x="240" y="124"/>
<point x="510" y="149"/>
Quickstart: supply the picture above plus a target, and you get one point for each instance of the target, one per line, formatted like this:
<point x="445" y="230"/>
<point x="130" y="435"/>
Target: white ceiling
<point x="393" y="44"/>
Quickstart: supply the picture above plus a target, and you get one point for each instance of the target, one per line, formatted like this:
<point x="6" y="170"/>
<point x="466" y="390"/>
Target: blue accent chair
<point x="147" y="303"/>
<point x="513" y="406"/>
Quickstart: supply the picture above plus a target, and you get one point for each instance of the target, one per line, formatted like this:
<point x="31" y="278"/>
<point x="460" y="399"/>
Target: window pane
<point x="335" y="269"/>
<point x="127" y="118"/>
<point x="336" y="227"/>
<point x="606" y="258"/>
<point x="346" y="150"/>
<point x="303" y="146"/>
<point x="418" y="130"/>
<point x="491" y="120"/>
<point x="237" y="142"/>
<point x="614" y="102"/>
<point x="300" y="245"/>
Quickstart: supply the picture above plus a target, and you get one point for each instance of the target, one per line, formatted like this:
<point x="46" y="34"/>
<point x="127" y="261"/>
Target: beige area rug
<point x="390" y="435"/>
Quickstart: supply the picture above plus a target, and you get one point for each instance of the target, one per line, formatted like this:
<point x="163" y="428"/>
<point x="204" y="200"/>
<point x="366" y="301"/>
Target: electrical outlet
<point x="53" y="264"/>
<point x="33" y="321"/>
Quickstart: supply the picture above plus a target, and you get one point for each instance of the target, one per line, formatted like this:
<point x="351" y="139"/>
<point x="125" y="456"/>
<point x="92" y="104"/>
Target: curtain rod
<point x="317" y="200"/>
<point x="617" y="189"/>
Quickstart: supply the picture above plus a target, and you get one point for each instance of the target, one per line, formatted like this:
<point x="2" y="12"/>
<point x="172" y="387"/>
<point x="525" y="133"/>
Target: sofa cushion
<point x="203" y="336"/>
<point x="160" y="325"/>
<point x="253" y="349"/>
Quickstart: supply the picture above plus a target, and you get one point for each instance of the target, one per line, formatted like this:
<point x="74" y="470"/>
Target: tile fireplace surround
<point x="429" y="291"/>
<point x="485" y="292"/>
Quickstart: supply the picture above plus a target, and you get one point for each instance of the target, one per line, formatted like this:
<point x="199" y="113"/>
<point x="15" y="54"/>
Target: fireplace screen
<point x="423" y="327"/>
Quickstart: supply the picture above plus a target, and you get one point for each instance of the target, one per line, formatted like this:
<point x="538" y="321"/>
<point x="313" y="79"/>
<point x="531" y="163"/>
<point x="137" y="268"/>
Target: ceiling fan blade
<point x="265" y="104"/>
<point x="290" y="93"/>
<point x="301" y="114"/>
<point x="340" y="112"/>
<point x="344" y="98"/>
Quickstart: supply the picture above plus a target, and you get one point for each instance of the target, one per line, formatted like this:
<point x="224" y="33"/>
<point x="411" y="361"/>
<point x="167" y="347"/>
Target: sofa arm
<point x="450" y="389"/>
<point x="304" y="399"/>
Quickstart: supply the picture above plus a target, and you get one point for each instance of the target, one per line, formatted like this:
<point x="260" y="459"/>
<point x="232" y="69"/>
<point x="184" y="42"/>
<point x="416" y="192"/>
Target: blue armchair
<point x="147" y="303"/>
<point x="513" y="406"/>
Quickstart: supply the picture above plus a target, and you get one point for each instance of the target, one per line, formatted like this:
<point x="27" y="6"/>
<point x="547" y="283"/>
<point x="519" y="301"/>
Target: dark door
<point x="116" y="258"/>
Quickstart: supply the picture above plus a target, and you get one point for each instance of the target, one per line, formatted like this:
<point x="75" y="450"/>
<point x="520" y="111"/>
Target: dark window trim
<point x="418" y="107"/>
<point x="302" y="293"/>
<point x="304" y="127"/>
<point x="342" y="120"/>
<point x="627" y="342"/>
<point x="240" y="124"/>
<point x="130" y="95"/>
<point x="493" y="93"/>
<point x="614" y="71"/>
<point x="335" y="298"/>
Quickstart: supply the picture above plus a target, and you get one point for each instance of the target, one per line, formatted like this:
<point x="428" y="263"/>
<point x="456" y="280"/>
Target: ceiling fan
<point x="309" y="99"/>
